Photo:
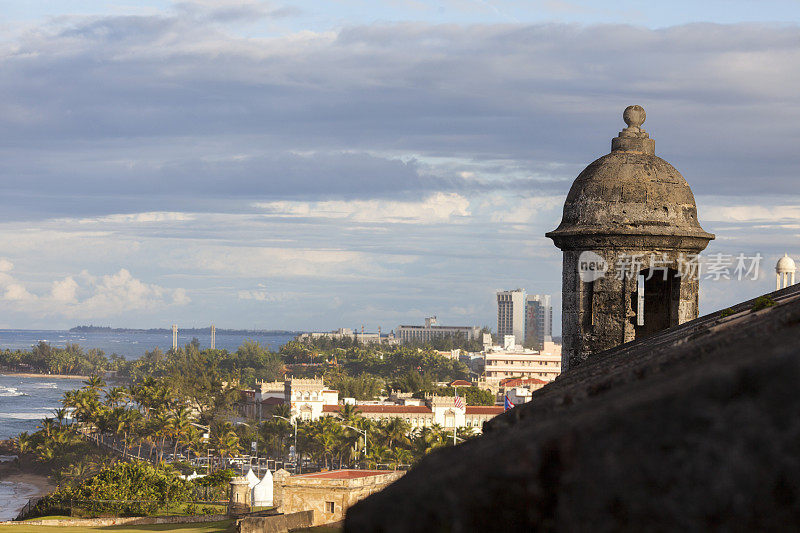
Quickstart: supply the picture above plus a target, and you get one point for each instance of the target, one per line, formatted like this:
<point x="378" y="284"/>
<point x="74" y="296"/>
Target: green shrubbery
<point x="762" y="302"/>
<point x="124" y="489"/>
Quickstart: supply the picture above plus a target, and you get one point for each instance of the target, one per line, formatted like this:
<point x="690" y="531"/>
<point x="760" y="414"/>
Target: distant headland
<point x="197" y="331"/>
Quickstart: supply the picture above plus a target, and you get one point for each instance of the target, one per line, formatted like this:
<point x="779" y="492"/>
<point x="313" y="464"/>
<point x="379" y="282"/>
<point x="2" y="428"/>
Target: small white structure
<point x="262" y="492"/>
<point x="252" y="479"/>
<point x="194" y="475"/>
<point x="784" y="272"/>
<point x="519" y="395"/>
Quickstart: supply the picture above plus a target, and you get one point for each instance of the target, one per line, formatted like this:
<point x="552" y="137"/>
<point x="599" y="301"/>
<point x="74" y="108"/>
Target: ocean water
<point x="24" y="402"/>
<point x="13" y="497"/>
<point x="130" y="345"/>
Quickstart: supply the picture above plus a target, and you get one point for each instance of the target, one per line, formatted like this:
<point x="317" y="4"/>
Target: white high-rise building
<point x="538" y="321"/>
<point x="511" y="313"/>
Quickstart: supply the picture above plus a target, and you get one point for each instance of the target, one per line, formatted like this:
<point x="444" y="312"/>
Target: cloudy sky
<point x="312" y="165"/>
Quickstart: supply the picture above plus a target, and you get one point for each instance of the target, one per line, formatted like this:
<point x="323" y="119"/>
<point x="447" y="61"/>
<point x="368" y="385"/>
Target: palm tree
<point x="182" y="428"/>
<point x="45" y="453"/>
<point x="60" y="414"/>
<point x="128" y="422"/>
<point x="116" y="396"/>
<point x="23" y="442"/>
<point x="466" y="433"/>
<point x="84" y="403"/>
<point x="399" y="456"/>
<point x="198" y="445"/>
<point x="284" y="410"/>
<point x="273" y="433"/>
<point x="349" y="413"/>
<point x="48" y="425"/>
<point x="95" y="382"/>
<point x="376" y="455"/>
<point x="426" y="439"/>
<point x="326" y="434"/>
<point x="162" y="427"/>
<point x="227" y="443"/>
<point x="105" y="424"/>
<point x="396" y="430"/>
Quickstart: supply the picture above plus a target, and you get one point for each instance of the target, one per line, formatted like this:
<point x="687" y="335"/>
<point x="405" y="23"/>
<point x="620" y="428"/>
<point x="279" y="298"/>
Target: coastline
<point x="34" y="375"/>
<point x="17" y="488"/>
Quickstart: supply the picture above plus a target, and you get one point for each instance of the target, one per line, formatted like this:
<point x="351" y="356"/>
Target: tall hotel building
<point x="538" y="321"/>
<point x="511" y="314"/>
<point x="432" y="330"/>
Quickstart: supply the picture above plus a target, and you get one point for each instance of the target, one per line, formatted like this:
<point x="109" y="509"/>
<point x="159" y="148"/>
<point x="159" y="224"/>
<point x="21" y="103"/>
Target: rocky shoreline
<point x="18" y="485"/>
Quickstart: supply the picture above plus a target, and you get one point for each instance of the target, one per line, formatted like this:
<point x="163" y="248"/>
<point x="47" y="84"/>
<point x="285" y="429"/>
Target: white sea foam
<point x="22" y="416"/>
<point x="10" y="392"/>
<point x="13" y="497"/>
<point x="45" y="386"/>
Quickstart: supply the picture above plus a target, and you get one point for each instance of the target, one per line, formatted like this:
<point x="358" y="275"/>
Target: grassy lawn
<point x="181" y="509"/>
<point x="210" y="527"/>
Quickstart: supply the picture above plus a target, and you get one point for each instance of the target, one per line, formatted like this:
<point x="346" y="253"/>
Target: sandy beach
<point x="48" y="376"/>
<point x="16" y="489"/>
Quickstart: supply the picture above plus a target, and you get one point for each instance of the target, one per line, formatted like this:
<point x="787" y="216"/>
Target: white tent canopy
<point x="262" y="493"/>
<point x="252" y="479"/>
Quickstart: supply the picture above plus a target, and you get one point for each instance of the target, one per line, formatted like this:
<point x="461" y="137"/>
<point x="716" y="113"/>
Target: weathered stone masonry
<point x="627" y="203"/>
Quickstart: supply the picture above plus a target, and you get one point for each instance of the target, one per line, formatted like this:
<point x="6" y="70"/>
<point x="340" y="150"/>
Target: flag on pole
<point x="508" y="404"/>
<point x="459" y="402"/>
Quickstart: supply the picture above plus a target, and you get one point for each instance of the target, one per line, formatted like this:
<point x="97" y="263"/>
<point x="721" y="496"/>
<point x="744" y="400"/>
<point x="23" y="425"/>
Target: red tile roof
<point x="388" y="409"/>
<point x="345" y="474"/>
<point x="484" y="409"/>
<point x="460" y="383"/>
<point x="516" y="382"/>
<point x="272" y="401"/>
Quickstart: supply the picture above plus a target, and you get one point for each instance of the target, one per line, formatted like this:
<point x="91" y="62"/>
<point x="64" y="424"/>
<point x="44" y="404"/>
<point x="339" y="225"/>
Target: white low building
<point x="514" y="361"/>
<point x="309" y="399"/>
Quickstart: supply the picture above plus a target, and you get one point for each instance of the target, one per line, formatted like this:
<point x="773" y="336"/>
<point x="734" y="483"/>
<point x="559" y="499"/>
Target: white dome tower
<point x="784" y="272"/>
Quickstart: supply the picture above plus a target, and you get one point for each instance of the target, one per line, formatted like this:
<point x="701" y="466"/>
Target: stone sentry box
<point x="629" y="203"/>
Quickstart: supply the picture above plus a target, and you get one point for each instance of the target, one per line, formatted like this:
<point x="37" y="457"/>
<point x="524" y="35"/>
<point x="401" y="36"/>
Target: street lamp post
<point x="208" y="432"/>
<point x="296" y="454"/>
<point x="365" y="437"/>
<point x="208" y="452"/>
<point x="249" y="456"/>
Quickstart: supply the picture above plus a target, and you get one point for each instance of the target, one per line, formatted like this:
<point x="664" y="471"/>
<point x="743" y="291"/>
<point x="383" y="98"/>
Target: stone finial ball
<point x="634" y="116"/>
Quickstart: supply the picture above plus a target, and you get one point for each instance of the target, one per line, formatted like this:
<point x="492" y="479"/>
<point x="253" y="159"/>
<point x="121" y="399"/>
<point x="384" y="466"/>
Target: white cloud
<point x="267" y="262"/>
<point x="65" y="290"/>
<point x="135" y="218"/>
<point x="517" y="210"/>
<point x="751" y="213"/>
<point x="17" y="293"/>
<point x="103" y="296"/>
<point x="263" y="296"/>
<point x="6" y="265"/>
<point x="119" y="292"/>
<point x="435" y="209"/>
